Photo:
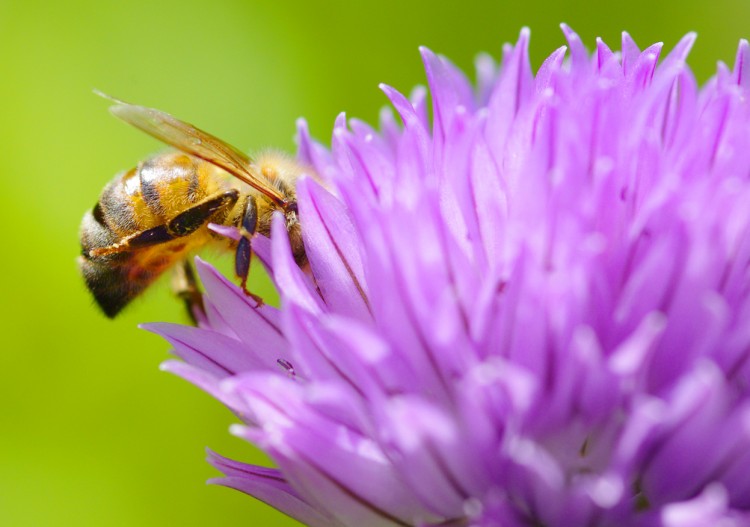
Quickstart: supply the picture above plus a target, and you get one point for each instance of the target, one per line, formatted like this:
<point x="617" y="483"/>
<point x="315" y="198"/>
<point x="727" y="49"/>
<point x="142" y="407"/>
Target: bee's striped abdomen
<point x="143" y="199"/>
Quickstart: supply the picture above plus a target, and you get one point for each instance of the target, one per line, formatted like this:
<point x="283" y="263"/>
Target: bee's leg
<point x="186" y="288"/>
<point x="244" y="253"/>
<point x="186" y="222"/>
<point x="192" y="219"/>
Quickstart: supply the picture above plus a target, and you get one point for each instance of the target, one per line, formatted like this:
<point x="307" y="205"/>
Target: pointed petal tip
<point x="690" y="36"/>
<point x="301" y="122"/>
<point x="417" y="92"/>
<point x="340" y="122"/>
<point x="428" y="56"/>
<point x="568" y="32"/>
<point x="387" y="89"/>
<point x="151" y="327"/>
<point x="225" y="230"/>
<point x="742" y="58"/>
<point x="162" y="328"/>
<point x="629" y="48"/>
<point x="682" y="48"/>
<point x="524" y="36"/>
<point x="484" y="59"/>
<point x="171" y="366"/>
<point x="238" y="430"/>
<point x="278" y="225"/>
<point x="385" y="114"/>
<point x="167" y="329"/>
<point x="303" y="180"/>
<point x="203" y="268"/>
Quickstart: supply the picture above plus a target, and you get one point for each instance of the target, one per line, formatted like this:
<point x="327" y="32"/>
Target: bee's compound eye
<point x="292" y="207"/>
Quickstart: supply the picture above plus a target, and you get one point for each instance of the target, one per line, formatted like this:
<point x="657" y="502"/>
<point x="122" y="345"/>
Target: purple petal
<point x="269" y="486"/>
<point x="486" y="76"/>
<point x="369" y="491"/>
<point x="205" y="381"/>
<point x="256" y="327"/>
<point x="512" y="90"/>
<point x="578" y="53"/>
<point x="209" y="350"/>
<point x="680" y="52"/>
<point x="311" y="153"/>
<point x="228" y="232"/>
<point x="450" y="91"/>
<point x="287" y="275"/>
<point x="332" y="247"/>
<point x="741" y="65"/>
<point x="630" y="53"/>
<point x="709" y="508"/>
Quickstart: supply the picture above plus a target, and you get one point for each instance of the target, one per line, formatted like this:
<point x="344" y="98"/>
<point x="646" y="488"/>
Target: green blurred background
<point x="91" y="433"/>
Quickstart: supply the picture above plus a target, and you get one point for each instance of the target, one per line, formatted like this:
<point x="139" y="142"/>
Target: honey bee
<point x="150" y="218"/>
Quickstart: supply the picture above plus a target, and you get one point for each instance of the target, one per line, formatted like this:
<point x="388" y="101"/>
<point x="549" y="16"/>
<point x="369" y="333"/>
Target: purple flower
<point x="532" y="309"/>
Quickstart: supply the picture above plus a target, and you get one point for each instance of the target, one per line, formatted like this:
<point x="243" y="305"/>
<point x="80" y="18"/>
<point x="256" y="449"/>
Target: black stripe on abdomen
<point x="149" y="191"/>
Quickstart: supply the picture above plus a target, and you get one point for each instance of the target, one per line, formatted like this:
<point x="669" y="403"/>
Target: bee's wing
<point x="193" y="141"/>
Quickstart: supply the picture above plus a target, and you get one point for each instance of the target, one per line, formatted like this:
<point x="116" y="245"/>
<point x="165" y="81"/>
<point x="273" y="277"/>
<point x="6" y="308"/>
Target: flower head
<point x="532" y="309"/>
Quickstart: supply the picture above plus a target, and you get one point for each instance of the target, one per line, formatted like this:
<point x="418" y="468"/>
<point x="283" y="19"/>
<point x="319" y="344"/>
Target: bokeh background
<point x="91" y="433"/>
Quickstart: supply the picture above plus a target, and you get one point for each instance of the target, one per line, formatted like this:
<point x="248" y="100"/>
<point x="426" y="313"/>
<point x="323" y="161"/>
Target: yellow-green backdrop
<point x="91" y="433"/>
